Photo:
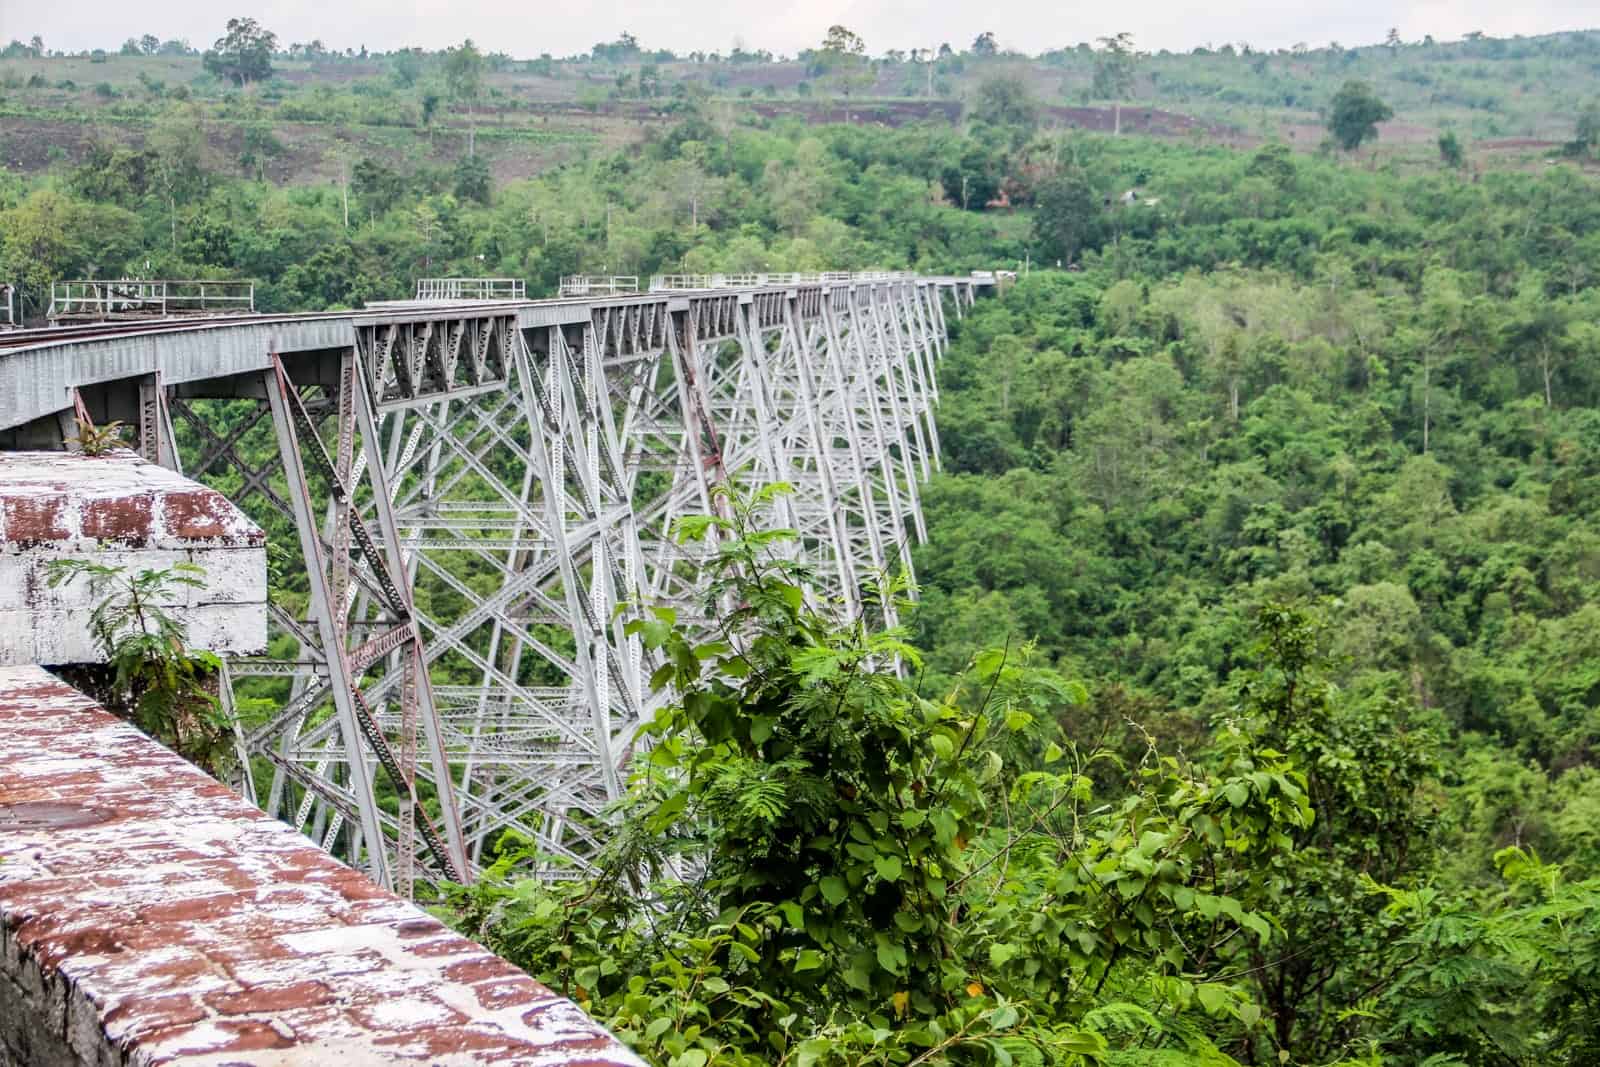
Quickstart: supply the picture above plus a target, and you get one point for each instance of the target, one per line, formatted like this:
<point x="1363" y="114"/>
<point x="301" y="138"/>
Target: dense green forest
<point x="1251" y="695"/>
<point x="1255" y="717"/>
<point x="698" y="199"/>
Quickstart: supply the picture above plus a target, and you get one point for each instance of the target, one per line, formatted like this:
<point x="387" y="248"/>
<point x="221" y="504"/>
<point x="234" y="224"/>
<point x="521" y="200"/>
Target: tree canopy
<point x="1006" y="102"/>
<point x="243" y="54"/>
<point x="1355" y="113"/>
<point x="463" y="71"/>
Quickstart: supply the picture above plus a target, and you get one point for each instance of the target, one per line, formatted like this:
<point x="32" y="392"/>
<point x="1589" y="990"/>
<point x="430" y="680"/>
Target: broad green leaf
<point x="987" y="662"/>
<point x="809" y="1052"/>
<point x="891" y="954"/>
<point x="1083" y="1042"/>
<point x="859" y="975"/>
<point x="1256" y="924"/>
<point x="1213" y="998"/>
<point x="808" y="960"/>
<point x="1152" y="841"/>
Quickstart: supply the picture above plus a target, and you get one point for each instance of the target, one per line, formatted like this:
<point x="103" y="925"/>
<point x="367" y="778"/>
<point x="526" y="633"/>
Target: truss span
<point x="467" y="500"/>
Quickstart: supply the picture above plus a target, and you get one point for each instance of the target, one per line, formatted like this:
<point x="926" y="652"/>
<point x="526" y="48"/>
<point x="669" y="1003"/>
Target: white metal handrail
<point x="471" y="289"/>
<point x="753" y="281"/>
<point x="119" y="298"/>
<point x="599" y="284"/>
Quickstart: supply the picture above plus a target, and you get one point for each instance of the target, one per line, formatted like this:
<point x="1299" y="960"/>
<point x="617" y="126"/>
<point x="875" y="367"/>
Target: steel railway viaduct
<point x="467" y="499"/>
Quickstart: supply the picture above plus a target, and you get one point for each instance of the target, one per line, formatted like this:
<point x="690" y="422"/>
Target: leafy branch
<point x="155" y="680"/>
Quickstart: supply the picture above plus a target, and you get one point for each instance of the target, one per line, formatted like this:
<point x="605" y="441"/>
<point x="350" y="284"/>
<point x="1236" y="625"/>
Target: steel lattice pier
<point x="467" y="502"/>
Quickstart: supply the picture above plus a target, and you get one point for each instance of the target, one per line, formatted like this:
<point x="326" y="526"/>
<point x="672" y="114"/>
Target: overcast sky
<point x="525" y="28"/>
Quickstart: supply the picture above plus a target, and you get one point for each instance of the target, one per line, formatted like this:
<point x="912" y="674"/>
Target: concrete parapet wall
<point x="118" y="510"/>
<point x="149" y="916"/>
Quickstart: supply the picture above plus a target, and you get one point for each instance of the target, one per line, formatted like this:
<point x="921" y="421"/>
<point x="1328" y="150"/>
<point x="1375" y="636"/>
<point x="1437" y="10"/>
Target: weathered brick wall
<point x="147" y="915"/>
<point x="118" y="510"/>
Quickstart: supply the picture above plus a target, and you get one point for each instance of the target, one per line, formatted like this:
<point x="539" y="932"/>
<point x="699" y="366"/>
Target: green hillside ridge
<point x="1507" y="99"/>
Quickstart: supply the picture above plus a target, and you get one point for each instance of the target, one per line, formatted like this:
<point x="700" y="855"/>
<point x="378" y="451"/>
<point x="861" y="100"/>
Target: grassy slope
<point x="1510" y="101"/>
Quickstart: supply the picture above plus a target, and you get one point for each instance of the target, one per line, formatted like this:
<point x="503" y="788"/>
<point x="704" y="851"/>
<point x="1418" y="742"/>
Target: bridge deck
<point x="40" y="367"/>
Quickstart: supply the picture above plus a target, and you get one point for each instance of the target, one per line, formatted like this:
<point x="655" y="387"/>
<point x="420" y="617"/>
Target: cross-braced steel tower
<point x="470" y="500"/>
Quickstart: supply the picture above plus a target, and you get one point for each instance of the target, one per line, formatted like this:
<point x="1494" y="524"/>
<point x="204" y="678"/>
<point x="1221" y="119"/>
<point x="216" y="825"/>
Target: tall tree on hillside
<point x="843" y="41"/>
<point x="1357" y="110"/>
<point x="1586" y="136"/>
<point x="1006" y="101"/>
<point x="1538" y="328"/>
<point x="463" y="76"/>
<point x="472" y="179"/>
<point x="984" y="44"/>
<point x="177" y="143"/>
<point x="1446" y="318"/>
<point x="1450" y="149"/>
<point x="691" y="183"/>
<point x="405" y="66"/>
<point x="973" y="177"/>
<point x="843" y="59"/>
<point x="377" y="187"/>
<point x="1068" y="215"/>
<point x="625" y="49"/>
<point x="244" y="53"/>
<point x="1114" y="73"/>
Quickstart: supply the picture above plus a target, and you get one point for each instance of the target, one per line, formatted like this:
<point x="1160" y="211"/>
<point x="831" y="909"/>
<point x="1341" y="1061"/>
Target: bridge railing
<point x="599" y="284"/>
<point x="471" y="289"/>
<point x="661" y="282"/>
<point x="97" y="300"/>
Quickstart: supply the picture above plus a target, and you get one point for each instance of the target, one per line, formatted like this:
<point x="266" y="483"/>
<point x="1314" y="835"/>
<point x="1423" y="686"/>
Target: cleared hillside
<point x="1510" y="102"/>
